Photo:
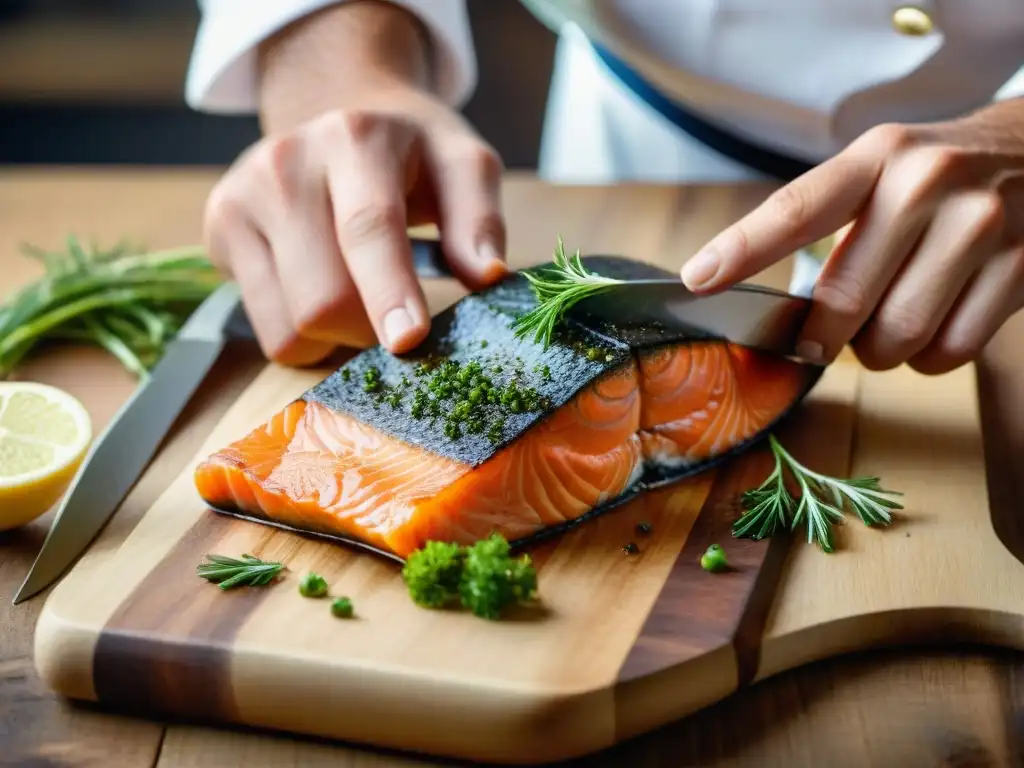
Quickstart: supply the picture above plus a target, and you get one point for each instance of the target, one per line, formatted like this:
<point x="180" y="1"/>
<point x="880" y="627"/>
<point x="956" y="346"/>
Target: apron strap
<point x="767" y="161"/>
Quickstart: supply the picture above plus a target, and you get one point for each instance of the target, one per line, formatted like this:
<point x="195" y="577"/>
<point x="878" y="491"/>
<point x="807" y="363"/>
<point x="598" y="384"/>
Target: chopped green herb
<point x="313" y="585"/>
<point x="346" y="374"/>
<point x="484" y="578"/>
<point x="483" y="344"/>
<point x="493" y="580"/>
<point x="371" y="379"/>
<point x="631" y="548"/>
<point x="714" y="559"/>
<point x="432" y="574"/>
<point x="342" y="607"/>
<point x="230" y="572"/>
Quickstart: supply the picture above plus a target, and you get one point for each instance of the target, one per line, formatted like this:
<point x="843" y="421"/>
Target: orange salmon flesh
<point x="314" y="469"/>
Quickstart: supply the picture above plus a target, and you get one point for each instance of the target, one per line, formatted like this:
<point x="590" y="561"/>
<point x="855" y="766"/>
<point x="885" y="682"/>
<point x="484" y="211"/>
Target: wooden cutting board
<point x="624" y="644"/>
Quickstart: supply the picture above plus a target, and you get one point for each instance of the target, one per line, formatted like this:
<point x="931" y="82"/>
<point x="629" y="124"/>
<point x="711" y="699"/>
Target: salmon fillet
<point x="316" y="469"/>
<point x="703" y="399"/>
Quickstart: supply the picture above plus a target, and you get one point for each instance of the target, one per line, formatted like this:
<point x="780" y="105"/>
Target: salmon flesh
<point x="478" y="431"/>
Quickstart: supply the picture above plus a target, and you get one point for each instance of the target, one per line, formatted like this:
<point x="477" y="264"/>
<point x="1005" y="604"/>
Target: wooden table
<point x="933" y="707"/>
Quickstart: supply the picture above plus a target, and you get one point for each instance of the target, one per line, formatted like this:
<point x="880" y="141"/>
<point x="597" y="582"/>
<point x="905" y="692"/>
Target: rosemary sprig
<point x="230" y="572"/>
<point x="823" y="500"/>
<point x="557" y="289"/>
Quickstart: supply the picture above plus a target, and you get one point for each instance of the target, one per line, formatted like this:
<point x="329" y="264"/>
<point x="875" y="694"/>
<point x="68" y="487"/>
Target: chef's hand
<point x="312" y="220"/>
<point x="932" y="263"/>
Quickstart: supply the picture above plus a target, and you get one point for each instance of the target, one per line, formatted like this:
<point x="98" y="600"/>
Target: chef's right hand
<point x="311" y="220"/>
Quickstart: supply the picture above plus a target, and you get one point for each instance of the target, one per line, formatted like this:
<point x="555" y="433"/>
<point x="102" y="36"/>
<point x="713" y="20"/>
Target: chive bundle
<point x="125" y="300"/>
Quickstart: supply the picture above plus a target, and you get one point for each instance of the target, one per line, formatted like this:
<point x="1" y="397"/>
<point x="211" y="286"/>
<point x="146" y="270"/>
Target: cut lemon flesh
<point x="44" y="435"/>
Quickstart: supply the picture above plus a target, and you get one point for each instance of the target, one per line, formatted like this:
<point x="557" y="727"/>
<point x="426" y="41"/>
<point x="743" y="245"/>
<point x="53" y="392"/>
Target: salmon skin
<point x="477" y="431"/>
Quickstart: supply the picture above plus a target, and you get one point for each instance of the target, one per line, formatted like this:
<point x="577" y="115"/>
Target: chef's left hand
<point x="932" y="264"/>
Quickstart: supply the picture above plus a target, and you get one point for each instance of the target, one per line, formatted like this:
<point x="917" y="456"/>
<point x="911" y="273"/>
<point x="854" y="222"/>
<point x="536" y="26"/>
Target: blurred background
<point x="102" y="81"/>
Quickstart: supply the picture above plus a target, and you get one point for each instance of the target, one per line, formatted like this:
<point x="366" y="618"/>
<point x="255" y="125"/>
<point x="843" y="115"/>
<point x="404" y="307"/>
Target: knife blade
<point x="118" y="455"/>
<point x="751" y="315"/>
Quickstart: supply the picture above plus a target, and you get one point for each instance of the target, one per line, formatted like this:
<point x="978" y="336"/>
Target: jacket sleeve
<point x="222" y="74"/>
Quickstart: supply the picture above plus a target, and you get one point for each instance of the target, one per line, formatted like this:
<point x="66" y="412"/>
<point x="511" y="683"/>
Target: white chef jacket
<point x="801" y="77"/>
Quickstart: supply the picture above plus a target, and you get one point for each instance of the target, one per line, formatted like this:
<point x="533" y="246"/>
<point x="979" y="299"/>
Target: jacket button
<point x="908" y="20"/>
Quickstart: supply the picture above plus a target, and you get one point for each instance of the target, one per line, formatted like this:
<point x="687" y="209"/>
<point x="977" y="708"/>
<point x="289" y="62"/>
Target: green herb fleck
<point x="631" y="548"/>
<point x="714" y="559"/>
<point x="313" y="585"/>
<point x="342" y="607"/>
<point x="229" y="572"/>
<point x="483" y="344"/>
<point x="371" y="379"/>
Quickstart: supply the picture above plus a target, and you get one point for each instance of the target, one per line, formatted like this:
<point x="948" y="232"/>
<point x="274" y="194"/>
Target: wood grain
<point x="952" y="705"/>
<point x="175" y="645"/>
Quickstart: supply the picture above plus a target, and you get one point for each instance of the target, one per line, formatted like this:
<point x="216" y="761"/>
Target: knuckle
<point x="371" y="220"/>
<point x="890" y="137"/>
<point x="222" y="205"/>
<point x="222" y="215"/>
<point x="920" y="174"/>
<point x="361" y="127"/>
<point x="324" y="312"/>
<point x="350" y="125"/>
<point x="789" y="206"/>
<point x="488" y="162"/>
<point x="944" y="356"/>
<point x="480" y="158"/>
<point x="939" y="160"/>
<point x="985" y="210"/>
<point x="278" y="163"/>
<point x="904" y="328"/>
<point x="843" y="295"/>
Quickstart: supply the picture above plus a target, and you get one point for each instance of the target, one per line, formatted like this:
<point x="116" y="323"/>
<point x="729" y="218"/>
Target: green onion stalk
<point x="125" y="300"/>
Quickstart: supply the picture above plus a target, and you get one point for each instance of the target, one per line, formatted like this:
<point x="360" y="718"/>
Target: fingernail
<point x="489" y="252"/>
<point x="493" y="260"/>
<point x="811" y="351"/>
<point x="701" y="269"/>
<point x="397" y="323"/>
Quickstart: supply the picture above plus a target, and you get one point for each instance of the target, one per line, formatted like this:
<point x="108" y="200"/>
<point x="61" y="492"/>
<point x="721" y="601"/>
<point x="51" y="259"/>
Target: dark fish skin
<point x="456" y="333"/>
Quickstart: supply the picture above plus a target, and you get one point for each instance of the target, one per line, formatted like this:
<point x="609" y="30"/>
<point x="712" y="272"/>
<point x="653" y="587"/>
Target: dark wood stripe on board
<point x="136" y="666"/>
<point x="697" y="611"/>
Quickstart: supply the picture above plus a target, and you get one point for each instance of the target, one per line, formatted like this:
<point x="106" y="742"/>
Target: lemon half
<point x="44" y="435"/>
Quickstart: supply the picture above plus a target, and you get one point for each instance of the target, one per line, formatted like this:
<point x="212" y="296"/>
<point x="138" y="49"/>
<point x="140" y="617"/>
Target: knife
<point x="119" y="455"/>
<point x="751" y="315"/>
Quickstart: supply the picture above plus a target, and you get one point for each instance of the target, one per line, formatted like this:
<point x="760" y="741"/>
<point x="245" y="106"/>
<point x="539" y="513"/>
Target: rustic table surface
<point x="940" y="706"/>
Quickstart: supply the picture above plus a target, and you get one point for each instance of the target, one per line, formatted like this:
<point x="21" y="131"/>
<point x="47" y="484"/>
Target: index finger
<point x="807" y="209"/>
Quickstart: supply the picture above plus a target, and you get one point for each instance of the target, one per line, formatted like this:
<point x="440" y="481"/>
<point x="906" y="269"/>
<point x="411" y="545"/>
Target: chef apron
<point x="720" y="108"/>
